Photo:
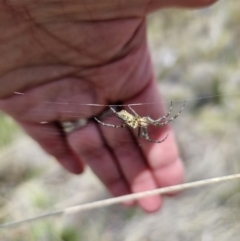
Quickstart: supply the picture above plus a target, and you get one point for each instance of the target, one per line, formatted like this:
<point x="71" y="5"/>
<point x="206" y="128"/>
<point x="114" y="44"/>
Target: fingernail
<point x="151" y="204"/>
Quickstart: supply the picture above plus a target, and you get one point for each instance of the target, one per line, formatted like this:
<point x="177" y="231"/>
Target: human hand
<point x="56" y="53"/>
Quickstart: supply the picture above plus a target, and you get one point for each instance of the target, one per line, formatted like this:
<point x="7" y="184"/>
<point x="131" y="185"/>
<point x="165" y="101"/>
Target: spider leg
<point x="140" y="132"/>
<point x="153" y="122"/>
<point x="168" y="114"/>
<point x="113" y="110"/>
<point x="134" y="112"/>
<point x="109" y="125"/>
<point x="171" y="119"/>
<point x="145" y="134"/>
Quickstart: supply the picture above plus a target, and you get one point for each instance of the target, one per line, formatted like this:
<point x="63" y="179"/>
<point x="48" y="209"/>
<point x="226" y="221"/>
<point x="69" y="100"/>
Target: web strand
<point x="137" y="104"/>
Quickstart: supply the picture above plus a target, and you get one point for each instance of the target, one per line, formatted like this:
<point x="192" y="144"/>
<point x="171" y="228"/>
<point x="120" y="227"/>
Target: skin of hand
<point x="88" y="52"/>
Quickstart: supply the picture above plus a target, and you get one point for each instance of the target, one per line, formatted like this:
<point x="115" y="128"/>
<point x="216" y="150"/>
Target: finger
<point x="132" y="163"/>
<point x="88" y="144"/>
<point x="163" y="158"/>
<point x="52" y="140"/>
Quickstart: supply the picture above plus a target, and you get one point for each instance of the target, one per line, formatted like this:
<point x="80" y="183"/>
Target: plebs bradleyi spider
<point x="134" y="121"/>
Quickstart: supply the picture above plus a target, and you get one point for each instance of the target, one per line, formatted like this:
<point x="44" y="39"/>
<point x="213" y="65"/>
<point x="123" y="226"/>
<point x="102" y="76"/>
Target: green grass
<point x="70" y="234"/>
<point x="8" y="130"/>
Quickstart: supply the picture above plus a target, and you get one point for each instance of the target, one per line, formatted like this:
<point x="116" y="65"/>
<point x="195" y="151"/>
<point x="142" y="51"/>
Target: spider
<point x="136" y="121"/>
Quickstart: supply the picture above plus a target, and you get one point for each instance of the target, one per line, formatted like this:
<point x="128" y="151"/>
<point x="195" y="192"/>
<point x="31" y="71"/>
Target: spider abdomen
<point x="143" y="122"/>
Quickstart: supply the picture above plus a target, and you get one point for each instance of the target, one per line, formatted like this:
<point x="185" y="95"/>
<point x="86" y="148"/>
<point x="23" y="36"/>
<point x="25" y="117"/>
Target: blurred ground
<point x="196" y="54"/>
